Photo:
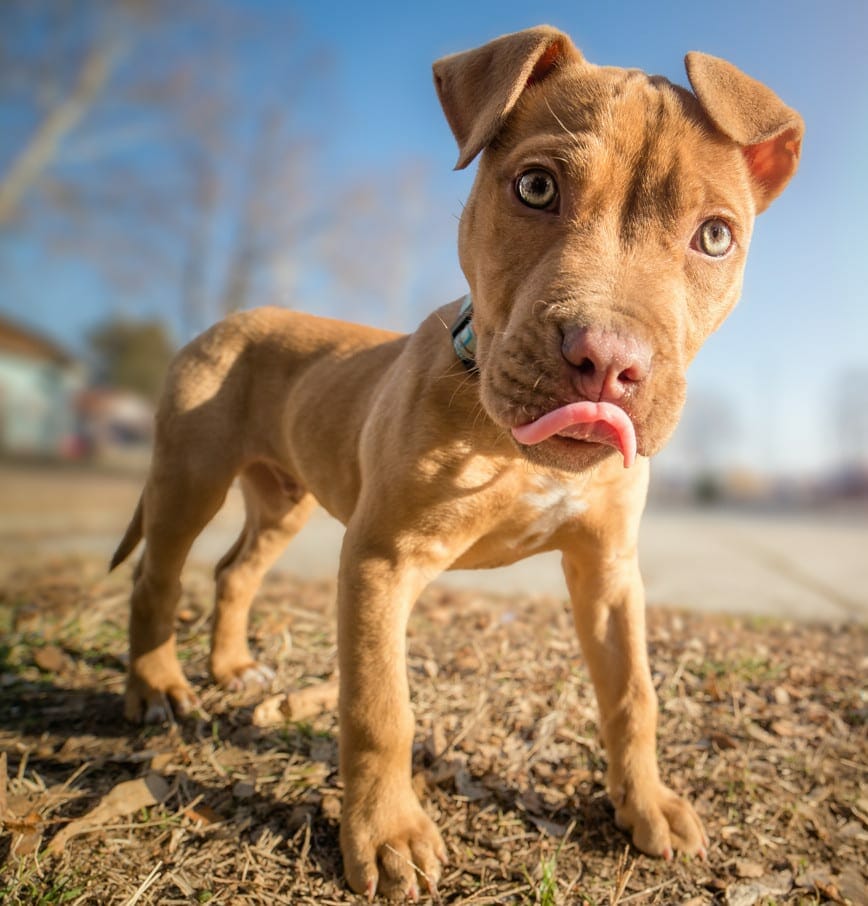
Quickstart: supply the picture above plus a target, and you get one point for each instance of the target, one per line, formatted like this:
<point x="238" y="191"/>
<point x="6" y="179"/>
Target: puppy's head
<point x="606" y="233"/>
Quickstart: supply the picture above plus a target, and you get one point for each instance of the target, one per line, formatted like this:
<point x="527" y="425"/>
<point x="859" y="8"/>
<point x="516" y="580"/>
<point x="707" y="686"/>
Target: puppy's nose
<point x="607" y="365"/>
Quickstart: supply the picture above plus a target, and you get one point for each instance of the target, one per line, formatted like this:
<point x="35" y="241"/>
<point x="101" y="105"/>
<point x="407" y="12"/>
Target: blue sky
<point x="803" y="320"/>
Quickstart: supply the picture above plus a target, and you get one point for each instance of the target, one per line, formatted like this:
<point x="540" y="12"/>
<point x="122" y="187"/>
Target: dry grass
<point x="762" y="724"/>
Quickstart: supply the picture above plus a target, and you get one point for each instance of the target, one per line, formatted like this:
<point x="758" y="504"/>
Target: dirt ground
<point x="763" y="725"/>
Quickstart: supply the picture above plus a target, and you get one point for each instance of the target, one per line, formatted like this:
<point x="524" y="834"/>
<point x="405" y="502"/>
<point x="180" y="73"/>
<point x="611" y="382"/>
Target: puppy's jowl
<point x="604" y="239"/>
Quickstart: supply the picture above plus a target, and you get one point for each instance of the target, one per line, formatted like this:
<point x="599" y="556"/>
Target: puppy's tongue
<point x="599" y="423"/>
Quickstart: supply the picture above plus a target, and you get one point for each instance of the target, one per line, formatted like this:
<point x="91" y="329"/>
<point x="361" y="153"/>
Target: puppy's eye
<point x="537" y="189"/>
<point x="713" y="238"/>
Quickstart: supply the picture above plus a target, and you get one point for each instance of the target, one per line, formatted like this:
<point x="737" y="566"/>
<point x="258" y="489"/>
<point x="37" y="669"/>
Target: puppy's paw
<point x="145" y="703"/>
<point x="396" y="854"/>
<point x="662" y="824"/>
<point x="247" y="675"/>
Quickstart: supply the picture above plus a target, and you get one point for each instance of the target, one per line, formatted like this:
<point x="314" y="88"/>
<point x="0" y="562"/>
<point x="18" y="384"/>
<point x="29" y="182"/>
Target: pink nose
<point x="607" y="364"/>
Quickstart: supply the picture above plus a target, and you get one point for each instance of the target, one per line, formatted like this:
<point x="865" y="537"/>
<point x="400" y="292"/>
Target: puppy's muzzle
<point x="605" y="366"/>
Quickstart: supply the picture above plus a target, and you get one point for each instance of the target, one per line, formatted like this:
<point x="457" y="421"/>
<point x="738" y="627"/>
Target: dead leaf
<point x="243" y="789"/>
<point x="467" y="787"/>
<point x="50" y="659"/>
<point x="687" y="707"/>
<point x="552" y="828"/>
<point x="23" y="825"/>
<point x="312" y="700"/>
<point x="747" y="869"/>
<point x="26" y="833"/>
<point x="162" y="760"/>
<point x="712" y="688"/>
<point x="787" y="729"/>
<point x="125" y="799"/>
<point x="724" y="741"/>
<point x="827" y="886"/>
<point x="331" y="807"/>
<point x="747" y="893"/>
<point x="271" y="711"/>
<point x="203" y="814"/>
<point x="851" y="883"/>
<point x="307" y="702"/>
<point x="324" y="749"/>
<point x="781" y="695"/>
<point x="830" y="890"/>
<point x="762" y="736"/>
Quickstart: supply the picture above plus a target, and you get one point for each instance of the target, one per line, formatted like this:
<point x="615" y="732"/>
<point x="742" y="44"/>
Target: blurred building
<point x="39" y="383"/>
<point x="48" y="410"/>
<point x="117" y="426"/>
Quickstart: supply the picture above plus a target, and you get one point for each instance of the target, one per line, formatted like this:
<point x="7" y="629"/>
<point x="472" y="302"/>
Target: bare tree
<point x="42" y="146"/>
<point x="57" y="60"/>
<point x="159" y="170"/>
<point x="378" y="247"/>
<point x="179" y="168"/>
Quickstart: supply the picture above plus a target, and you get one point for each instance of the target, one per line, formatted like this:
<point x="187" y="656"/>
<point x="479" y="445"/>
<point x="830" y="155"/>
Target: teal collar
<point x="463" y="336"/>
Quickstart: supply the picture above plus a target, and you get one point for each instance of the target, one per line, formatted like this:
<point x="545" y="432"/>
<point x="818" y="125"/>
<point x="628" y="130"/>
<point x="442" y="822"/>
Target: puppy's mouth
<point x="597" y="423"/>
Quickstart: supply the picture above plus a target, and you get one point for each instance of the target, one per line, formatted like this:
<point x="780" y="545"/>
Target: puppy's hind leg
<point x="178" y="501"/>
<point x="277" y="507"/>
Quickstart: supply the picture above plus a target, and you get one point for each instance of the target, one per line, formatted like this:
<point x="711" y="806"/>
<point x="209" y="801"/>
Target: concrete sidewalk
<point x="807" y="566"/>
<point x="798" y="567"/>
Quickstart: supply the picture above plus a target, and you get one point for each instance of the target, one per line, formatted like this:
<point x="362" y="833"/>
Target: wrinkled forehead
<point x="632" y="134"/>
<point x="593" y="102"/>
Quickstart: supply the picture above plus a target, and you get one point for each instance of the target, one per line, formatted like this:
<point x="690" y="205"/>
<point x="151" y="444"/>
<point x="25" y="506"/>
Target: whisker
<point x="461" y="385"/>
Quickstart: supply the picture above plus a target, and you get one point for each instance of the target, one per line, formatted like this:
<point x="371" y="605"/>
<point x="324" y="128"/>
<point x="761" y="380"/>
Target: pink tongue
<point x="599" y="423"/>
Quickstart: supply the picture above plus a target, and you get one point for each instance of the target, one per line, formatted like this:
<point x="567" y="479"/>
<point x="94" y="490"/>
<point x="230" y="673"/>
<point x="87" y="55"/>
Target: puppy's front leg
<point x="609" y="610"/>
<point x="386" y="837"/>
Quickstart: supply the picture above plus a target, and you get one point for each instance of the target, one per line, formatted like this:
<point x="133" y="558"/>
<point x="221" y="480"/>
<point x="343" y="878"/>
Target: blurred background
<point x="165" y="163"/>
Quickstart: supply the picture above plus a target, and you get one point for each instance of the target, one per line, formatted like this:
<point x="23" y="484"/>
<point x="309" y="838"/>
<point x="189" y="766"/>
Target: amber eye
<point x="713" y="238"/>
<point x="537" y="189"/>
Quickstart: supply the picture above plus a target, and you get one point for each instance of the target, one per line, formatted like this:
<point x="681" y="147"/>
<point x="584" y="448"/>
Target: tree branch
<point x="62" y="119"/>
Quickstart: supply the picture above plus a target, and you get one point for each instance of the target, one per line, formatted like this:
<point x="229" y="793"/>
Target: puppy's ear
<point x="478" y="88"/>
<point x="752" y="115"/>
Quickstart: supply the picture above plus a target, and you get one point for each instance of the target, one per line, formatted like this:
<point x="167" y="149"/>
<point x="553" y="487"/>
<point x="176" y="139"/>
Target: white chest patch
<point x="545" y="507"/>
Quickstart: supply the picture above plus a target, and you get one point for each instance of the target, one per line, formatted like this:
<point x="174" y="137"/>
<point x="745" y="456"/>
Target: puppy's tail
<point x="132" y="536"/>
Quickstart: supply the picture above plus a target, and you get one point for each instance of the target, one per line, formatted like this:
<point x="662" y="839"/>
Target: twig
<point x="155" y="873"/>
<point x="623" y="873"/>
<point x="432" y="887"/>
<point x="648" y="891"/>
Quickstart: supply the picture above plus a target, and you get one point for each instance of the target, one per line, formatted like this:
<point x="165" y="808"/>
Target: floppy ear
<point x="478" y="88"/>
<point x="752" y="115"/>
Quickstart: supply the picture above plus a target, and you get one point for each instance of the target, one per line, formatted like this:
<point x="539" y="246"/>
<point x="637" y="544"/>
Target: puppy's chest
<point x="530" y="519"/>
<point x="542" y="508"/>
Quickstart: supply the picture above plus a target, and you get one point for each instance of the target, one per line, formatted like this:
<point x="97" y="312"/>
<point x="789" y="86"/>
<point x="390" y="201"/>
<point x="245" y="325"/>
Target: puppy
<point x="603" y="240"/>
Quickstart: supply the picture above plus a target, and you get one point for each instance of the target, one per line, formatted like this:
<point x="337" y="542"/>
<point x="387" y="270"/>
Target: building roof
<point x="21" y="341"/>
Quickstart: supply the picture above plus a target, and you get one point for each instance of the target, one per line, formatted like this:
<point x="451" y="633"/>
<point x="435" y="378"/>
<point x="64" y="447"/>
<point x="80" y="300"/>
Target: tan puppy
<point x="604" y="239"/>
